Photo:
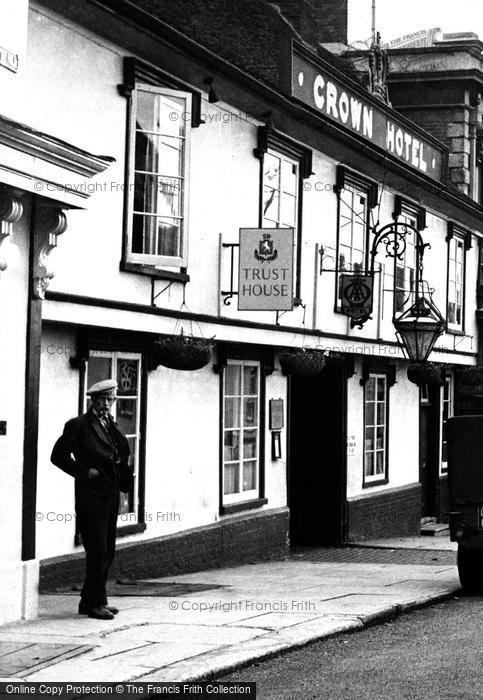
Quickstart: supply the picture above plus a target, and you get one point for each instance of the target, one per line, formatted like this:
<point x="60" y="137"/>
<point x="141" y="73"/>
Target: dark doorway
<point x="429" y="443"/>
<point x="317" y="449"/>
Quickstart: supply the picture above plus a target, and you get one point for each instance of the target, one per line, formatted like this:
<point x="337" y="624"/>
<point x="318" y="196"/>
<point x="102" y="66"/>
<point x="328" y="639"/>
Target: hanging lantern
<point x="418" y="328"/>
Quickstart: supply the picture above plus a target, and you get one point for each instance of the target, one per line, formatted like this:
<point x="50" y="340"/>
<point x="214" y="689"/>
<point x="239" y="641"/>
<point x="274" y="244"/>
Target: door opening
<point x="317" y="457"/>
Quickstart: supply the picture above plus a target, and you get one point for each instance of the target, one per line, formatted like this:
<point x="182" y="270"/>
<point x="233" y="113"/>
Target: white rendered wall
<point x="72" y="79"/>
<point x="73" y="102"/>
<point x="13" y="323"/>
<point x="13" y="39"/>
<point x="182" y="449"/>
<point x="59" y="396"/>
<point x="403" y="436"/>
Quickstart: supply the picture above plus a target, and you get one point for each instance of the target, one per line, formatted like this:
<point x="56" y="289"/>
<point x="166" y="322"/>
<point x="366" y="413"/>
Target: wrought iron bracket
<point x="393" y="236"/>
<point x="164" y="289"/>
<point x="232" y="291"/>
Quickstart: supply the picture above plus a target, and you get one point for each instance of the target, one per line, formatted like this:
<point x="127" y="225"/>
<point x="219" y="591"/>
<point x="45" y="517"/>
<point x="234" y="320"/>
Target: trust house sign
<point x="265" y="270"/>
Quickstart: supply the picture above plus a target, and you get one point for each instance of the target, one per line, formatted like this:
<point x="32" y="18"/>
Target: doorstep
<point x="433" y="529"/>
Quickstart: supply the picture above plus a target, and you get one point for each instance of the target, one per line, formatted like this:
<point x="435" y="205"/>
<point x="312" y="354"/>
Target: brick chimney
<point x="317" y="21"/>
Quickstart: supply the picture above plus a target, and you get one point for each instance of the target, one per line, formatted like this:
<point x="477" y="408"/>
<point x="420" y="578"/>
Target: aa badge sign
<point x="265" y="270"/>
<point x="356" y="295"/>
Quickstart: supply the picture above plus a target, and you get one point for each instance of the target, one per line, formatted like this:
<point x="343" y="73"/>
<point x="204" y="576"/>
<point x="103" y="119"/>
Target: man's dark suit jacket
<point x="84" y="445"/>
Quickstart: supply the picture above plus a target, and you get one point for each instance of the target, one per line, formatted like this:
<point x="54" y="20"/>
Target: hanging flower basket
<point x="302" y="362"/>
<point x="470" y="376"/>
<point x="182" y="352"/>
<point x="430" y="373"/>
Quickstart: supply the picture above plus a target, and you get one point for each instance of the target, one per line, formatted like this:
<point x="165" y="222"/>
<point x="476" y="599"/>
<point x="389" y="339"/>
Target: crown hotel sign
<point x="315" y="87"/>
<point x="265" y="269"/>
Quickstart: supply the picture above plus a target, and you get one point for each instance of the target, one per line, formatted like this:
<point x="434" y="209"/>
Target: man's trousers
<point x="96" y="511"/>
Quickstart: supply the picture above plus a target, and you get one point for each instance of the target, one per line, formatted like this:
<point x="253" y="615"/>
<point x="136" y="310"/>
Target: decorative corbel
<point x="51" y="223"/>
<point x="11" y="210"/>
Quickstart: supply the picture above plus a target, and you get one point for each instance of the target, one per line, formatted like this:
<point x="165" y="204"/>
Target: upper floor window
<point x="405" y="263"/>
<point x="357" y="197"/>
<point x="405" y="266"/>
<point x="456" y="279"/>
<point x="353" y="227"/>
<point x="280" y="191"/>
<point x="158" y="191"/>
<point x="284" y="165"/>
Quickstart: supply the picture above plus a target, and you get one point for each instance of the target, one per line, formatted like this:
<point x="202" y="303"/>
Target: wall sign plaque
<point x="8" y="60"/>
<point x="265" y="270"/>
<point x="357" y="296"/>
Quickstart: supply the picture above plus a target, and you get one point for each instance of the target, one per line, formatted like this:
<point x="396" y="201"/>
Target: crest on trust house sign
<point x="265" y="269"/>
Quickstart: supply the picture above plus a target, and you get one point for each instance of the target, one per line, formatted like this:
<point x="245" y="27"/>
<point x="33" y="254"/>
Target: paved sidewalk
<point x="244" y="613"/>
<point x="436" y="543"/>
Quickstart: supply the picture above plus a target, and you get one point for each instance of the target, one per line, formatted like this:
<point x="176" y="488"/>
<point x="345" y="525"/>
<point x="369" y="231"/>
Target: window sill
<point x="243" y="505"/>
<point x="130" y="529"/>
<point x="155" y="272"/>
<point x="455" y="331"/>
<point x="379" y="482"/>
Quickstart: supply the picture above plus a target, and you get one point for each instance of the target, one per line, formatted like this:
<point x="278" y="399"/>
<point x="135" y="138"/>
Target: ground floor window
<point x="241" y="431"/>
<point x="446" y="412"/>
<point x="125" y="368"/>
<point x="375" y="428"/>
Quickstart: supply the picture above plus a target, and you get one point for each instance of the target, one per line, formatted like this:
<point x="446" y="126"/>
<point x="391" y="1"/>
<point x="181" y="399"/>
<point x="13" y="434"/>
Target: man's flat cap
<point x="101" y="387"/>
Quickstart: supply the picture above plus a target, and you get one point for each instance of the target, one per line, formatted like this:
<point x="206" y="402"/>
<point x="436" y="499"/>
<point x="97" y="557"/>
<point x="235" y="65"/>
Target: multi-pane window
<point x="125" y="368"/>
<point x="158" y="189"/>
<point x="241" y="431"/>
<point x="405" y="265"/>
<point x="375" y="428"/>
<point x="446" y="412"/>
<point x="353" y="229"/>
<point x="280" y="191"/>
<point x="456" y="268"/>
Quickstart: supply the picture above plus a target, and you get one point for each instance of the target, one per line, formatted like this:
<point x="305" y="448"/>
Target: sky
<point x="395" y="18"/>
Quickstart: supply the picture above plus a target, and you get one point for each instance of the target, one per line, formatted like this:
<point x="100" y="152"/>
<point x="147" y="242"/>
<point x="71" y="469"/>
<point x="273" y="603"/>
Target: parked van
<point x="465" y="481"/>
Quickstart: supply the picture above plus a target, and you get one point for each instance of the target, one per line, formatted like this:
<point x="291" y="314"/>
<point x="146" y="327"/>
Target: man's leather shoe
<point x="100" y="613"/>
<point x="84" y="609"/>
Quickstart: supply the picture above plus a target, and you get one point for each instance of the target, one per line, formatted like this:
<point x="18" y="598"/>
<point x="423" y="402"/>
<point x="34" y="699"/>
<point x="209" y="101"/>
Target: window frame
<point x="404" y="292"/>
<point x="404" y="208"/>
<point x="272" y="141"/>
<point x="456" y="236"/>
<point x="377" y="367"/>
<point x="376" y="478"/>
<point x="144" y="259"/>
<point x="238" y="353"/>
<point x="139" y="72"/>
<point x="250" y="494"/>
<point x="349" y="180"/>
<point x="116" y="355"/>
<point x="449" y="402"/>
<point x="111" y="340"/>
<point x="294" y="162"/>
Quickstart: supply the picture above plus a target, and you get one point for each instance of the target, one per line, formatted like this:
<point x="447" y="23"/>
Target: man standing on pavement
<point x="94" y="451"/>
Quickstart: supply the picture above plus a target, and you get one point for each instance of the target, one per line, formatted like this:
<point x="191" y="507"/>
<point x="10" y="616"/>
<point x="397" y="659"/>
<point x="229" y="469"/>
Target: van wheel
<point x="470" y="569"/>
